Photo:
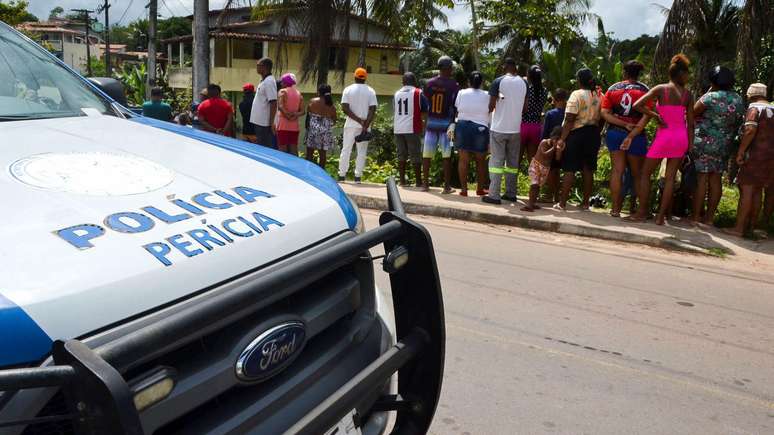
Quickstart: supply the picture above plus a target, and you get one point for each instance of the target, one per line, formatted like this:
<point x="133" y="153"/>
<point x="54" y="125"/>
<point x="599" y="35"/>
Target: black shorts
<point x="265" y="137"/>
<point x="581" y="149"/>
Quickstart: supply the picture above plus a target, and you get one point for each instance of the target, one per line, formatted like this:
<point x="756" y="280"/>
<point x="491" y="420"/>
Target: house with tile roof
<point x="66" y="39"/>
<point x="237" y="42"/>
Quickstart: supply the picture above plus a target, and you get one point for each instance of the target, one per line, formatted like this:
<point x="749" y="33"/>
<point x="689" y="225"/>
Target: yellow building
<point x="238" y="42"/>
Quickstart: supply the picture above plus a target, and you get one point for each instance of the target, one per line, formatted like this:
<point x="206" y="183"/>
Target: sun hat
<point x="361" y="73"/>
<point x="756" y="90"/>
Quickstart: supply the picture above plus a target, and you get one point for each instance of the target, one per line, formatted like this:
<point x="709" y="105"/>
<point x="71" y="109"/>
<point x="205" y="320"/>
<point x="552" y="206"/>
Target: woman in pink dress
<point x="290" y="107"/>
<point x="674" y="113"/>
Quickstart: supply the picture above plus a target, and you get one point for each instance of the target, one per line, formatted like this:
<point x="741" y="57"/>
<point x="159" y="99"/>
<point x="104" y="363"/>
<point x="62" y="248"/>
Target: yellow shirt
<point x="585" y="104"/>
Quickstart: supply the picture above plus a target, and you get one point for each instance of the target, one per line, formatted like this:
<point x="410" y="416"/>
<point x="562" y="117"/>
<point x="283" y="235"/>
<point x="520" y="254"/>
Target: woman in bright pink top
<point x="675" y="118"/>
<point x="291" y="108"/>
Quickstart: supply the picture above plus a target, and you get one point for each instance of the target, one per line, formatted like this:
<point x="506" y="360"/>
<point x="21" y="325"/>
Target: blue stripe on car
<point x="21" y="339"/>
<point x="299" y="168"/>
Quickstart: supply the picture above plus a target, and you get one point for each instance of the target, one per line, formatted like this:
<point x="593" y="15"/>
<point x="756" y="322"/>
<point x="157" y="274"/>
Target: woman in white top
<point x="471" y="132"/>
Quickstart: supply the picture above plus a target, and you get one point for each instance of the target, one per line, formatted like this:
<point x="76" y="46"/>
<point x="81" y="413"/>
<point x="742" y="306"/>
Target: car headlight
<point x="359" y="225"/>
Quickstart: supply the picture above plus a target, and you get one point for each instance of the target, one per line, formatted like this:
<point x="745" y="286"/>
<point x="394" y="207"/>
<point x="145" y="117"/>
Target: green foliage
<point x="135" y="34"/>
<point x="97" y="67"/>
<point x="726" y="214"/>
<point x="133" y="77"/>
<point x="56" y="12"/>
<point x="522" y="25"/>
<point x="559" y="66"/>
<point x="764" y="70"/>
<point x="15" y="12"/>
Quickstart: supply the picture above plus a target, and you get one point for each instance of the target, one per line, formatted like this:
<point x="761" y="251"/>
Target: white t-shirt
<point x="407" y="118"/>
<point x="266" y="92"/>
<point x="360" y="97"/>
<point x="473" y="105"/>
<point x="510" y="91"/>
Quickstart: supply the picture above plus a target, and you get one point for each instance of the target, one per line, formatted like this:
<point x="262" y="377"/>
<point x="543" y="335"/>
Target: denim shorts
<point x="471" y="136"/>
<point x="615" y="136"/>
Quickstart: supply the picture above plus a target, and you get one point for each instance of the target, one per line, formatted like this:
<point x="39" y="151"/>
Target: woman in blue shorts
<point x="471" y="132"/>
<point x="618" y="111"/>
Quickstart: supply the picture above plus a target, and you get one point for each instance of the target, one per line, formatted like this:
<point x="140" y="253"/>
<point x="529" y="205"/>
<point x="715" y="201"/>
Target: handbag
<point x="364" y="136"/>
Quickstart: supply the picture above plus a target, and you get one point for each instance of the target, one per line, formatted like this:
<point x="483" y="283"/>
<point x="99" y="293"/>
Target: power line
<point x="120" y="20"/>
<point x="185" y="8"/>
<point x="167" y="8"/>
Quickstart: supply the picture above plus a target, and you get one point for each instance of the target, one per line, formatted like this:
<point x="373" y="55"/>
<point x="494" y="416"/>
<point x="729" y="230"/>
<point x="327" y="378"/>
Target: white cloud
<point x="625" y="18"/>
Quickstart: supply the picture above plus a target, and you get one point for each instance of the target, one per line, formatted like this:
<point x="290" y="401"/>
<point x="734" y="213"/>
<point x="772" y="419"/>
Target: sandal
<point x="447" y="190"/>
<point x="635" y="219"/>
<point x="464" y="193"/>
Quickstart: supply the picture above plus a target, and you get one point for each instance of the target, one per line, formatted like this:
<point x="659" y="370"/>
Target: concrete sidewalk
<point x="596" y="224"/>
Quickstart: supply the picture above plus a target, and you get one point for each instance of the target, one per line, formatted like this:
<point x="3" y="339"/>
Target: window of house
<point x="247" y="49"/>
<point x="332" y="53"/>
<point x="383" y="64"/>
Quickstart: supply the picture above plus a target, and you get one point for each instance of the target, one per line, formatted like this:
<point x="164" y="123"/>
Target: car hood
<point x="106" y="218"/>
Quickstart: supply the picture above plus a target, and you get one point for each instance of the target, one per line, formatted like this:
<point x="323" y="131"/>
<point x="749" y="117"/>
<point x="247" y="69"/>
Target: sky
<point x="625" y="18"/>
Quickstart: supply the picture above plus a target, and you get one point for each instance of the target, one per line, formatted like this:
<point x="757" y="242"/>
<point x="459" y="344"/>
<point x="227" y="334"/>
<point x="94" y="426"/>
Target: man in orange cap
<point x="358" y="102"/>
<point x="245" y="107"/>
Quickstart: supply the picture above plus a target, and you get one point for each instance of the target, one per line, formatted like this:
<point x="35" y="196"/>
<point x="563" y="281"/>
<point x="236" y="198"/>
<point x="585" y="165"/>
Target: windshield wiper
<point x="29" y="116"/>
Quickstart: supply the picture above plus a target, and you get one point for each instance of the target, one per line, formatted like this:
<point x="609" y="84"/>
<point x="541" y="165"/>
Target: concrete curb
<point x="377" y="203"/>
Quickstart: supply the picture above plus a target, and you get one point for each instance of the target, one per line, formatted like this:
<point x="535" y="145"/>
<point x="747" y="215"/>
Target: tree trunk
<point x="153" y="13"/>
<point x="201" y="47"/>
<point x="320" y="39"/>
<point x="361" y="61"/>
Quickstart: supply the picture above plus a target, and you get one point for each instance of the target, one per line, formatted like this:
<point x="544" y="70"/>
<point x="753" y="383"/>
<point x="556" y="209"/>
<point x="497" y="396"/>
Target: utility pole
<point x="201" y="46"/>
<point x="474" y="22"/>
<point x="86" y="14"/>
<point x="106" y="36"/>
<point x="153" y="13"/>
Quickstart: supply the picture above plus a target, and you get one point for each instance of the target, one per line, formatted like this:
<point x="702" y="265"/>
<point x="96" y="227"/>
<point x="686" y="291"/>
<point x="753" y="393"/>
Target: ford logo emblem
<point x="271" y="352"/>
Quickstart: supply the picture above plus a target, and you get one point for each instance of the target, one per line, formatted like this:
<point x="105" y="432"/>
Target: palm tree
<point x="314" y="18"/>
<point x="318" y="19"/>
<point x="706" y="28"/>
<point x="756" y="36"/>
<point x="526" y="27"/>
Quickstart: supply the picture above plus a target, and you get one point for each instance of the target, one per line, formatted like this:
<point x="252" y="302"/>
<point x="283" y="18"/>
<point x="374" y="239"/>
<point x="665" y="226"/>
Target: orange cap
<point x="361" y="73"/>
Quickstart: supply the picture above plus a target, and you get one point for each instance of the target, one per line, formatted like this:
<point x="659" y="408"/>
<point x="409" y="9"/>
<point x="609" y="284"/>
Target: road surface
<point x="554" y="334"/>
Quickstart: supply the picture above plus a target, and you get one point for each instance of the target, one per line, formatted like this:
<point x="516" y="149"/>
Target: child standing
<point x="553" y="119"/>
<point x="548" y="151"/>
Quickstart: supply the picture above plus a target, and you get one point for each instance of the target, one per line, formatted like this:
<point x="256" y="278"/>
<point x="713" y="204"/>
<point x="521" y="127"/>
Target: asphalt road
<point x="556" y="334"/>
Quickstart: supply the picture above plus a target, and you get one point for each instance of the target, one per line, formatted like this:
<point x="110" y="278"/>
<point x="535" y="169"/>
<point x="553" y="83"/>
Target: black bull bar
<point x="100" y="400"/>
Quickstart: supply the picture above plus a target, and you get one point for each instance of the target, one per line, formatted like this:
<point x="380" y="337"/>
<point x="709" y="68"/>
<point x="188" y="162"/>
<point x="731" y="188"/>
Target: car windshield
<point x="34" y="86"/>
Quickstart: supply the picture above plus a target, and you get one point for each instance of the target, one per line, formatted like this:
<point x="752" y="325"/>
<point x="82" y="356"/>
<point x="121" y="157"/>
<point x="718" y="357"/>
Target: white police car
<point x="157" y="279"/>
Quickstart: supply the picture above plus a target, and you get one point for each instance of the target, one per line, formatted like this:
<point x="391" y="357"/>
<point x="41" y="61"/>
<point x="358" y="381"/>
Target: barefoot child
<point x="540" y="166"/>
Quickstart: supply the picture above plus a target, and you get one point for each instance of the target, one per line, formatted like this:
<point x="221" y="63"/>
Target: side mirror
<point x="112" y="87"/>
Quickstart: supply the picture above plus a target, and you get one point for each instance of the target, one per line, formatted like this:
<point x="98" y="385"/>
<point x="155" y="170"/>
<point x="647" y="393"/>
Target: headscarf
<point x="288" y="79"/>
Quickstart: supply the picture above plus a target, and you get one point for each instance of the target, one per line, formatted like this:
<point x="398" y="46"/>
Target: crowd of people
<point x="509" y="123"/>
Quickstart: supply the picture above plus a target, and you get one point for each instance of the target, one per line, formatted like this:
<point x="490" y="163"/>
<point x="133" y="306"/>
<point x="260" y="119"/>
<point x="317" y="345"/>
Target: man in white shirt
<point x="507" y="99"/>
<point x="264" y="107"/>
<point x="409" y="104"/>
<point x="358" y="101"/>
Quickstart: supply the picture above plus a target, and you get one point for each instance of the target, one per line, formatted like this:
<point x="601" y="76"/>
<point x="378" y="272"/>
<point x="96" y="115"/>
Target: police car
<point x="158" y="279"/>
